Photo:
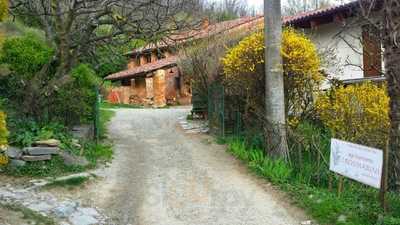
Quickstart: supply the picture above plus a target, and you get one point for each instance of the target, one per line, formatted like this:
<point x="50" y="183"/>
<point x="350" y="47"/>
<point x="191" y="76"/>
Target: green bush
<point x="26" y="131"/>
<point x="74" y="102"/>
<point x="25" y="55"/>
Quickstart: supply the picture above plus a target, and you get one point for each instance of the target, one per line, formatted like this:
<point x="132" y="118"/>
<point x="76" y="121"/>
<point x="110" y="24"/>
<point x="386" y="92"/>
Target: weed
<point x="68" y="183"/>
<point x="52" y="168"/>
<point x="96" y="153"/>
<point x="105" y="117"/>
<point x="29" y="214"/>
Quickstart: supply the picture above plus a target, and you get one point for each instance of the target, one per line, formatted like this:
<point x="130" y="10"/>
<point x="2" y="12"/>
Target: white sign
<point x="358" y="162"/>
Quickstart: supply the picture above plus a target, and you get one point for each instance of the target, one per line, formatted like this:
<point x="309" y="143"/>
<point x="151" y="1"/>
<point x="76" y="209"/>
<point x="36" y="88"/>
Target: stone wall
<point x="159" y="85"/>
<point x="172" y="85"/>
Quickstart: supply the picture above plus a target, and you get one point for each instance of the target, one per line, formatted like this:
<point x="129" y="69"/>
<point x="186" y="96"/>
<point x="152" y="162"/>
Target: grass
<point x="105" y="117"/>
<point x="68" y="183"/>
<point x="357" y="205"/>
<point x="29" y="214"/>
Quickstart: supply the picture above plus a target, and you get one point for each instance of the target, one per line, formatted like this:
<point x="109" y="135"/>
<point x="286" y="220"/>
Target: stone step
<point x="42" y="150"/>
<point x="49" y="143"/>
<point x="31" y="158"/>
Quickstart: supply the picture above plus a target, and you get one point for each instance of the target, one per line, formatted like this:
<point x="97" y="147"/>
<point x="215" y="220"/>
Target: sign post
<point x="384" y="181"/>
<point x="357" y="162"/>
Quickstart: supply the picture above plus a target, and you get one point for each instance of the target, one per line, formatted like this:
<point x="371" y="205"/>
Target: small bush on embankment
<point x="312" y="185"/>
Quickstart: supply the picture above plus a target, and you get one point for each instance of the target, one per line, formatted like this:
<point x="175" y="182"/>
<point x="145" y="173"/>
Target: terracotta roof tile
<point x="196" y="34"/>
<point x="144" y="69"/>
<point x="319" y="12"/>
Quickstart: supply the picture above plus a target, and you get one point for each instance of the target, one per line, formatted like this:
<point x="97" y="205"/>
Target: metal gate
<point x="216" y="106"/>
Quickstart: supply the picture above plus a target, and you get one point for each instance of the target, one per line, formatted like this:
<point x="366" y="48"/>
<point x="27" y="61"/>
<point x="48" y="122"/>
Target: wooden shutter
<point x="372" y="51"/>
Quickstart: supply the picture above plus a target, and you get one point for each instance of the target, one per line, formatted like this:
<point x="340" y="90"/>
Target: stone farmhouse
<point x="350" y="47"/>
<point x="152" y="76"/>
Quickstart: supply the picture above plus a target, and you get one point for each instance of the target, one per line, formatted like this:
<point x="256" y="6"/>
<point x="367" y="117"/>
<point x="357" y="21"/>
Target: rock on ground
<point x="14" y="152"/>
<point x="64" y="211"/>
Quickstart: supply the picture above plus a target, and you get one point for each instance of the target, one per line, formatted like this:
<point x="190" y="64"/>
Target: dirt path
<point x="162" y="176"/>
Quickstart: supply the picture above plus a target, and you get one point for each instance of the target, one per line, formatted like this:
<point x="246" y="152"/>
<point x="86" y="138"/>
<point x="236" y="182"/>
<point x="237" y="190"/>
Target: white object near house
<point x="358" y="162"/>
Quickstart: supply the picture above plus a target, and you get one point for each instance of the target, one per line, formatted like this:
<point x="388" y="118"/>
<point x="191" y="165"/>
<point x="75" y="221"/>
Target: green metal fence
<point x="96" y="121"/>
<point x="224" y="114"/>
<point x="216" y="115"/>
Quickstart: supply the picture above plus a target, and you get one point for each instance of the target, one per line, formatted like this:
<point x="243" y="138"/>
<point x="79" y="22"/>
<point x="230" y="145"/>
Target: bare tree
<point x="275" y="129"/>
<point x="76" y="27"/>
<point x="391" y="22"/>
<point x="297" y="6"/>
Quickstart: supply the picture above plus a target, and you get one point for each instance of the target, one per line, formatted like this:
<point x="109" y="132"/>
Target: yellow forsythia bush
<point x="3" y="131"/>
<point x="244" y="65"/>
<point x="3" y="9"/>
<point x="357" y="113"/>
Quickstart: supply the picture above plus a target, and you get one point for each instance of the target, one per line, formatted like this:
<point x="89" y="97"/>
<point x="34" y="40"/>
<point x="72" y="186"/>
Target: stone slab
<point x="36" y="151"/>
<point x="32" y="158"/>
<point x="49" y="143"/>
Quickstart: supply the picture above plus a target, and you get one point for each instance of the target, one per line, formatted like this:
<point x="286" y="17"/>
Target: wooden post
<point x="384" y="178"/>
<point x="340" y="185"/>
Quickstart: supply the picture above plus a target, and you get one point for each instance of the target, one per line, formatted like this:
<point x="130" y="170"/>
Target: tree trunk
<point x="392" y="67"/>
<point x="275" y="127"/>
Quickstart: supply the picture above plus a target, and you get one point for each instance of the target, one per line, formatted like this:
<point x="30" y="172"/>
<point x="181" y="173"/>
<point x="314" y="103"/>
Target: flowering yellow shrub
<point x="358" y="113"/>
<point x="3" y="9"/>
<point x="3" y="131"/>
<point x="244" y="67"/>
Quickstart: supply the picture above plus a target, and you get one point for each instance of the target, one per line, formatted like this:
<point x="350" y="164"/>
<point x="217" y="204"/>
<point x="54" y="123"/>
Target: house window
<point x="372" y="51"/>
<point x="126" y="82"/>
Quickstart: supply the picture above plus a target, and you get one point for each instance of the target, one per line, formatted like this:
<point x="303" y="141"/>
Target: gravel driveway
<point x="162" y="176"/>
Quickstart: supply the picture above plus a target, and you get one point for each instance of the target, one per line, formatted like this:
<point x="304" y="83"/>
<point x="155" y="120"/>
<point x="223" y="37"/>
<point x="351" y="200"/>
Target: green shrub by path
<point x="308" y="182"/>
<point x="73" y="101"/>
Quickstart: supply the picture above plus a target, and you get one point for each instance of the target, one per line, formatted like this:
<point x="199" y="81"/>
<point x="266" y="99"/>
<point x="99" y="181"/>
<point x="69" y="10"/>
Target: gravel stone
<point x="78" y="218"/>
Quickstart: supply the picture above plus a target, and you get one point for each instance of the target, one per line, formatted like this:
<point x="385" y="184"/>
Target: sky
<point x="255" y="3"/>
